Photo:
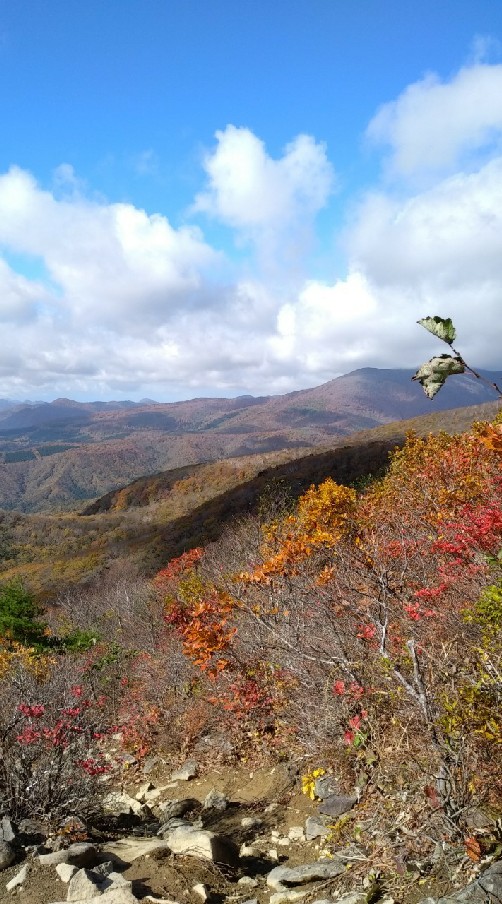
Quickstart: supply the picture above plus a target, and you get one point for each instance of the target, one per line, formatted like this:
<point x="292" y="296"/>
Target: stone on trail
<point x="83" y="886"/>
<point x="486" y="889"/>
<point x="18" y="879"/>
<point x="215" y="800"/>
<point x="284" y="897"/>
<point x="337" y="804"/>
<point x="66" y="871"/>
<point x="122" y="804"/>
<point x="325" y="786"/>
<point x="281" y="877"/>
<point x="188" y="839"/>
<point x="81" y="854"/>
<point x="173" y="809"/>
<point x="128" y="849"/>
<point x="316" y="827"/>
<point x="189" y="769"/>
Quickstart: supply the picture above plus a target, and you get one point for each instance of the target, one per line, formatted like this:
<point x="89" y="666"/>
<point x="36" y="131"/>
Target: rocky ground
<point x="233" y="835"/>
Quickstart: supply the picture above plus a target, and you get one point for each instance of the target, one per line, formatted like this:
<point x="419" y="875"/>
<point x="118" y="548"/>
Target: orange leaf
<point x="472" y="849"/>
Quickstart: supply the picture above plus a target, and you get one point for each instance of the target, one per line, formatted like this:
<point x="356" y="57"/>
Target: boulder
<point x="126" y="850"/>
<point x="486" y="889"/>
<point x="121" y="804"/>
<point x="81" y="854"/>
<point x="112" y="896"/>
<point x="285" y="897"/>
<point x="176" y="808"/>
<point x="66" y="871"/>
<point x="188" y="839"/>
<point x="215" y="800"/>
<point x="83" y="886"/>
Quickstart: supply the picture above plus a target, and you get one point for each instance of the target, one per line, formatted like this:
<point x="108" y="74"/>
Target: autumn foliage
<point x="362" y="628"/>
<point x="367" y="611"/>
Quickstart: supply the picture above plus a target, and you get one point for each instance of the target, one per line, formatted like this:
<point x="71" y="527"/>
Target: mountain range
<point x="56" y="456"/>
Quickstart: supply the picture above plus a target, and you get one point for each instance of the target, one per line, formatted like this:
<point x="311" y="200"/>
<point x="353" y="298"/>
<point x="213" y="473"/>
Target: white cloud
<point x="110" y="262"/>
<point x="434" y="125"/>
<point x="447" y="236"/>
<point x="270" y="202"/>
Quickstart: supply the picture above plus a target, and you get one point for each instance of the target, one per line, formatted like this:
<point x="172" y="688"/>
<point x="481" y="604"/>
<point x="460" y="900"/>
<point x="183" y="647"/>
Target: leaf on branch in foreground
<point x="434" y="373"/>
<point x="441" y="327"/>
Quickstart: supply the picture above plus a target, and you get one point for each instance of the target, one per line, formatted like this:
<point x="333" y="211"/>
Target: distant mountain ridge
<point x="56" y="456"/>
<point x="373" y="394"/>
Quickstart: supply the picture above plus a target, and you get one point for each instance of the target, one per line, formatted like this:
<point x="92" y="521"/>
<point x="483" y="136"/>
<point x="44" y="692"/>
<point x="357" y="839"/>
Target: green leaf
<point x="434" y="373"/>
<point x="440" y="327"/>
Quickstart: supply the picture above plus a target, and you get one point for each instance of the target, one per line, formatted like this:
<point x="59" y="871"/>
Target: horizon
<point x="197" y="203"/>
<point x="485" y="373"/>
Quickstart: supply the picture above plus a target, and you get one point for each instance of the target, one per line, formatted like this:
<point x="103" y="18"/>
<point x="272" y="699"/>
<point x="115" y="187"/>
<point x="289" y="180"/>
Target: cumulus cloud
<point x="435" y="125"/>
<point x="270" y="202"/>
<point x="110" y="262"/>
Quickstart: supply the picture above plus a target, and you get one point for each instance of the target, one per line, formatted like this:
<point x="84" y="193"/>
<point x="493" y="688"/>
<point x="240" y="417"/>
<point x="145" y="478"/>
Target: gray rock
<point x="175" y="808"/>
<point x="174" y="823"/>
<point x="250" y="822"/>
<point x="7" y="831"/>
<point x="128" y="849"/>
<point x="83" y="886"/>
<point x="66" y="871"/>
<point x="283" y="877"/>
<point x="104" y="868"/>
<point x="122" y="804"/>
<point x="202" y="843"/>
<point x="150" y="763"/>
<point x="7" y="854"/>
<point x="215" y="800"/>
<point x="117" y="896"/>
<point x="337" y="804"/>
<point x="82" y="854"/>
<point x="316" y="827"/>
<point x="325" y="786"/>
<point x="189" y="769"/>
<point x="144" y="789"/>
<point x="19" y="878"/>
<point x="113" y="896"/>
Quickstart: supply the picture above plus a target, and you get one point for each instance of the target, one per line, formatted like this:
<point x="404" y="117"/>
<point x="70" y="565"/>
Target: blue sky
<point x="211" y="197"/>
